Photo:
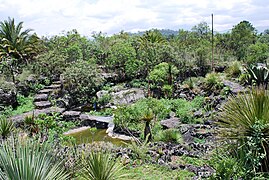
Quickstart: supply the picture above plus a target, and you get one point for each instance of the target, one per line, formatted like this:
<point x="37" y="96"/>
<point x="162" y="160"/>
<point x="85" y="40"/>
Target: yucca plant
<point x="244" y="122"/>
<point x="6" y="127"/>
<point x="29" y="159"/>
<point x="100" y="166"/>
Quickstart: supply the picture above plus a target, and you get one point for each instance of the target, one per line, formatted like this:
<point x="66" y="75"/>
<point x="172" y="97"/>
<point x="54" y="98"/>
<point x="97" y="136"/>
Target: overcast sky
<point x="51" y="17"/>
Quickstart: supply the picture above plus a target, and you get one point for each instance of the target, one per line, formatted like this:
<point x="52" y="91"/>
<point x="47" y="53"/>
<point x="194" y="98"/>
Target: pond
<point x="89" y="135"/>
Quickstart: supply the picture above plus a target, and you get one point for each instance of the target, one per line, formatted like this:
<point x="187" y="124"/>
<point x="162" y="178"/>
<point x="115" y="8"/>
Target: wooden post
<point x="212" y="36"/>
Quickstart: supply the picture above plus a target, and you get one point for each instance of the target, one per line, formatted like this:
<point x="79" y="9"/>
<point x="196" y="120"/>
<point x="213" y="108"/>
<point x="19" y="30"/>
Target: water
<point x="89" y="135"/>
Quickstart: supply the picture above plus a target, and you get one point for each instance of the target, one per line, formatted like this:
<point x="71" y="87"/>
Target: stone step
<point x="42" y="104"/>
<point x="46" y="91"/>
<point x="71" y="115"/>
<point x="41" y="97"/>
<point x="54" y="86"/>
<point x="57" y="82"/>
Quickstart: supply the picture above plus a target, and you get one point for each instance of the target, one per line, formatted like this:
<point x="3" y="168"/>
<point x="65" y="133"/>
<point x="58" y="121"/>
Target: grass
<point x="156" y="172"/>
<point x="25" y="104"/>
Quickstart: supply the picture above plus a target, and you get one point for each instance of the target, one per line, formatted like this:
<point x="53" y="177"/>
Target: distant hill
<point x="165" y="32"/>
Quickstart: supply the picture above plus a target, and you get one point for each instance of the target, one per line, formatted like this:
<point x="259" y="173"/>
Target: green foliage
<point x="130" y="116"/>
<point x="29" y="160"/>
<point x="6" y="127"/>
<point x="25" y="105"/>
<point x="213" y="81"/>
<point x="101" y="166"/>
<point x="226" y="167"/>
<point x="50" y="63"/>
<point x="245" y="121"/>
<point x="234" y="70"/>
<point x="139" y="149"/>
<point x="161" y="72"/>
<point x="257" y="53"/>
<point x="153" y="171"/>
<point x="82" y="80"/>
<point x="169" y="135"/>
<point x="74" y="53"/>
<point x="52" y="126"/>
<point x="242" y="36"/>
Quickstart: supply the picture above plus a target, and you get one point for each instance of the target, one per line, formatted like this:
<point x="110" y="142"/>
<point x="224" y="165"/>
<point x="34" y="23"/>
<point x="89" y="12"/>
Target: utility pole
<point x="212" y="36"/>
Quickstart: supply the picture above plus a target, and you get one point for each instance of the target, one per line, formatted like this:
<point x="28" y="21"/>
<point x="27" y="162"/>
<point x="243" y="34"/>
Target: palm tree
<point x="17" y="46"/>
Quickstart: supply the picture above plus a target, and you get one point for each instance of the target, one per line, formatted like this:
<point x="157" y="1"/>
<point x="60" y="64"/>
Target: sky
<point x="52" y="17"/>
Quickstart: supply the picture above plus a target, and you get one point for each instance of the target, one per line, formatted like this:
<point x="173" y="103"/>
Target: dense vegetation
<point x="180" y="80"/>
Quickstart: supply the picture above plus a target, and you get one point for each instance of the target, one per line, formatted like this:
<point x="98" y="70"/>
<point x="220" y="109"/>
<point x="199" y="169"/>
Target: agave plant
<point x="259" y="74"/>
<point x="245" y="123"/>
<point x="100" y="166"/>
<point x="6" y="127"/>
<point x="29" y="160"/>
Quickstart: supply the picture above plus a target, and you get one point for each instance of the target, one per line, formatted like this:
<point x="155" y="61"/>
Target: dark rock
<point x="235" y="87"/>
<point x="41" y="97"/>
<point x="220" y="69"/>
<point x="170" y="123"/>
<point x="42" y="104"/>
<point x="71" y="115"/>
<point x="19" y="119"/>
<point x="8" y="98"/>
<point x="100" y="122"/>
<point x="198" y="114"/>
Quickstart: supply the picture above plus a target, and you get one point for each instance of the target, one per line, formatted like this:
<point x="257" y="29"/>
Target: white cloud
<point x="112" y="16"/>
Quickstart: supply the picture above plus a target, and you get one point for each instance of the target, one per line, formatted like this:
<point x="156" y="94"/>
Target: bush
<point x="234" y="70"/>
<point x="101" y="166"/>
<point x="169" y="135"/>
<point x="213" y="81"/>
<point x="82" y="80"/>
<point x="245" y="122"/>
<point x="29" y="160"/>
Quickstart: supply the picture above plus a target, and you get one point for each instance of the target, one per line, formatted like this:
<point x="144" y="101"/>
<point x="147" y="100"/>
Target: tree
<point x="242" y="36"/>
<point x="257" y="53"/>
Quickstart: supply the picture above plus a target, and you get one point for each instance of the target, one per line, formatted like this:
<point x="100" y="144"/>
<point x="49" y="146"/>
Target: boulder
<point x="100" y="122"/>
<point x="127" y="96"/>
<point x="71" y="115"/>
<point x="8" y="98"/>
<point x="170" y="123"/>
<point x="234" y="87"/>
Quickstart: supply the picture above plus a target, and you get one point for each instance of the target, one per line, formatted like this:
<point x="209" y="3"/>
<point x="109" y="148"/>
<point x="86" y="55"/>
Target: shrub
<point x="82" y="80"/>
<point x="101" y="166"/>
<point x="245" y="122"/>
<point x="259" y="74"/>
<point x="29" y="160"/>
<point x="213" y="81"/>
<point x="6" y="127"/>
<point x="169" y="135"/>
<point x="234" y="70"/>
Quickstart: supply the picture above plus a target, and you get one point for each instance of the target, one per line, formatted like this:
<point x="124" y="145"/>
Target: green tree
<point x="257" y="53"/>
<point x="242" y="36"/>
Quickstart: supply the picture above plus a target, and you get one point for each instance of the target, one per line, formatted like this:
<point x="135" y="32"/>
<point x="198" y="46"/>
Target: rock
<point x="170" y="123"/>
<point x="198" y="114"/>
<point x="41" y="97"/>
<point x="8" y="98"/>
<point x="220" y="69"/>
<point x="127" y="96"/>
<point x="46" y="91"/>
<point x="101" y="93"/>
<point x="182" y="95"/>
<point x="100" y="122"/>
<point x="71" y="115"/>
<point x="42" y="104"/>
<point x="54" y="86"/>
<point x="235" y="87"/>
<point x="19" y="119"/>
